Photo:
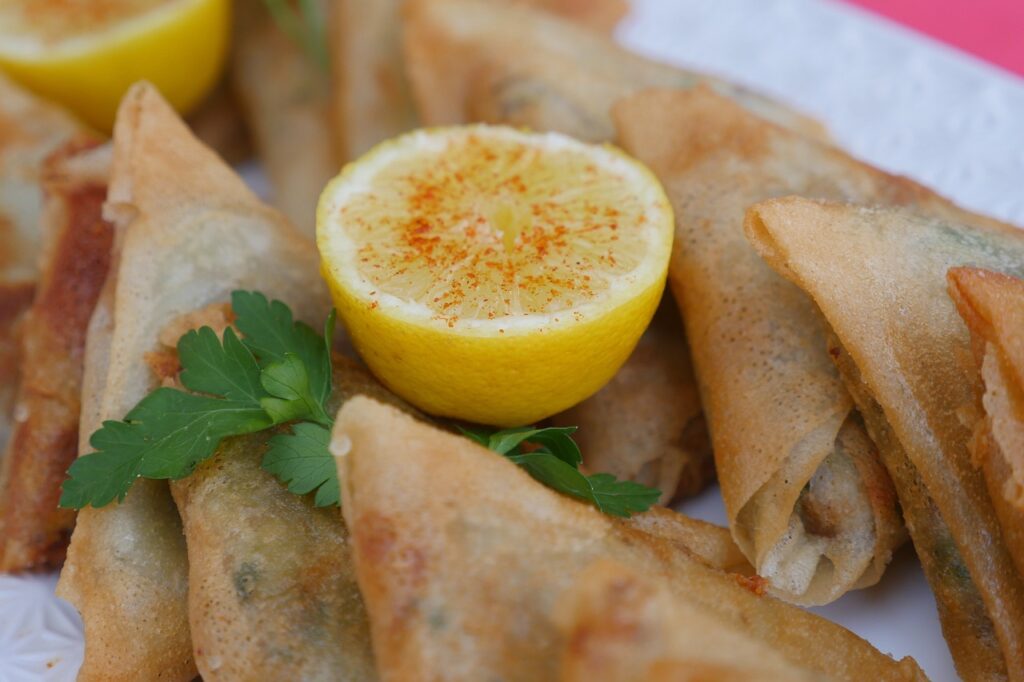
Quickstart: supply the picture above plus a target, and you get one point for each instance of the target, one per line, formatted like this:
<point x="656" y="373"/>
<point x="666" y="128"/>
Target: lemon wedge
<point x="85" y="54"/>
<point x="491" y="274"/>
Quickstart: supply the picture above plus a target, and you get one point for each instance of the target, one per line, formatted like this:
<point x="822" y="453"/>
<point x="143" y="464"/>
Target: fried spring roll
<point x="30" y="131"/>
<point x="620" y="625"/>
<point x="461" y="556"/>
<point x="807" y="498"/>
<point x="646" y="424"/>
<point x="992" y="306"/>
<point x="45" y="438"/>
<point x="480" y="60"/>
<point x="879" y="277"/>
<point x="188" y="232"/>
<point x="371" y="95"/>
<point x="285" y="97"/>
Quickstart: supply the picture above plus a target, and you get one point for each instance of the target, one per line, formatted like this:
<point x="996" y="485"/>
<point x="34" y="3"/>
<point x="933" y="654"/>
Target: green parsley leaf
<point x="270" y="333"/>
<point x="279" y="371"/>
<point x="557" y="440"/>
<point x="227" y="369"/>
<point x="301" y="460"/>
<point x="621" y="498"/>
<point x="604" y="491"/>
<point x="479" y="436"/>
<point x="555" y="462"/>
<point x="165" y="436"/>
<point x="555" y="473"/>
<point x="304" y="25"/>
<point x="287" y="382"/>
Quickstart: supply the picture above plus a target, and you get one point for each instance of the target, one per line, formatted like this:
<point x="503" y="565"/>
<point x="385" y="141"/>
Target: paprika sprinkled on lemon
<point x="491" y="274"/>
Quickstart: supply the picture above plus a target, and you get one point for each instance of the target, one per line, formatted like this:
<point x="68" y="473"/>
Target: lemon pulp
<point x="492" y="274"/>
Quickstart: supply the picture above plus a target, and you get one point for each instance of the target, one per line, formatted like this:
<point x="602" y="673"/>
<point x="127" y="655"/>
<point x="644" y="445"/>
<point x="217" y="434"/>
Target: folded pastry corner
<point x="187" y="232"/>
<point x="992" y="306"/>
<point x="878" y="275"/>
<point x="461" y="558"/>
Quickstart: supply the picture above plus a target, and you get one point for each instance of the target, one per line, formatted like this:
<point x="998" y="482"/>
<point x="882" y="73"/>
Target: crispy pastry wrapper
<point x="461" y="557"/>
<point x="15" y="300"/>
<point x="33" y="530"/>
<point x="992" y="306"/>
<point x="878" y="275"/>
<point x="285" y="99"/>
<point x="646" y="424"/>
<point x="480" y="60"/>
<point x="371" y="96"/>
<point x="32" y="131"/>
<point x="188" y="232"/>
<point x="807" y="498"/>
<point x="620" y="625"/>
<point x="273" y="594"/>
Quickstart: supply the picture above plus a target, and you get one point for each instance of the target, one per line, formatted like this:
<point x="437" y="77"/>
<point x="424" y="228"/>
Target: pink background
<point x="990" y="29"/>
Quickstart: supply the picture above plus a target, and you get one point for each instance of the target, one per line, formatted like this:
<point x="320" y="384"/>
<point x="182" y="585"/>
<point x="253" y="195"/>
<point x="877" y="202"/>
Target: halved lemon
<point x="85" y="54"/>
<point x="494" y="275"/>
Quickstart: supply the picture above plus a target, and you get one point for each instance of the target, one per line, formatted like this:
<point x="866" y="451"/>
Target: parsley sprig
<point x="303" y="22"/>
<point x="276" y="372"/>
<point x="554" y="459"/>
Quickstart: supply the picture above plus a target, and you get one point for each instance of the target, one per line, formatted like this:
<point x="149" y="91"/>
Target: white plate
<point x="892" y="97"/>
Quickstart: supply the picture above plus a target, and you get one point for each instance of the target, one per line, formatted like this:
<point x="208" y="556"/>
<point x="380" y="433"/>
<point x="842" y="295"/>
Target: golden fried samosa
<point x="646" y="424"/>
<point x="878" y="275"/>
<point x="807" y="499"/>
<point x="480" y="60"/>
<point x="273" y="594"/>
<point x="188" y="232"/>
<point x="992" y="306"/>
<point x="371" y="95"/>
<point x="30" y="130"/>
<point x="461" y="557"/>
<point x="33" y="530"/>
<point x="619" y="625"/>
<point x="285" y="97"/>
